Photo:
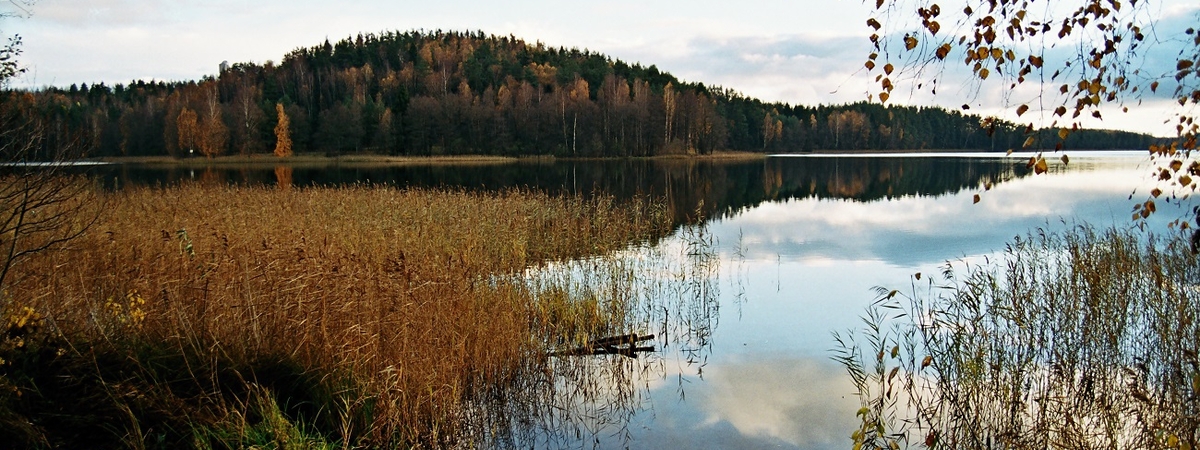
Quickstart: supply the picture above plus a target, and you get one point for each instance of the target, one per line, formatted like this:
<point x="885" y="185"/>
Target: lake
<point x="774" y="255"/>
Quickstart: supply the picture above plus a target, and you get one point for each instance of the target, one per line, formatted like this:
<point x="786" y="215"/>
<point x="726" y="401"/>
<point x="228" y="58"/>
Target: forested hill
<point x="440" y="93"/>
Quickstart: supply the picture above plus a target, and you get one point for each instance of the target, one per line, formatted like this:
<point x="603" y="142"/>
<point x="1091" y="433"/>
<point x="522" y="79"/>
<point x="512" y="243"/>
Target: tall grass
<point x="211" y="316"/>
<point x="1083" y="339"/>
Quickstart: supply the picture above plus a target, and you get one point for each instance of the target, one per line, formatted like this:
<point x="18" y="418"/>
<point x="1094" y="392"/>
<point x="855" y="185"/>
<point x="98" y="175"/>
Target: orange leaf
<point x="910" y="42"/>
<point x="1021" y="110"/>
<point x="983" y="73"/>
<point x="943" y="51"/>
<point x="887" y="69"/>
<point x="883" y="97"/>
<point x="977" y="199"/>
<point x="1063" y="133"/>
<point x="1065" y="159"/>
<point x="1153" y="86"/>
<point x="1041" y="166"/>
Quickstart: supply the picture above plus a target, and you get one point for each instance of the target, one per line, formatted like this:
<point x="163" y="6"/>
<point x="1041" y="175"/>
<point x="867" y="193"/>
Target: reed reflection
<point x="564" y="398"/>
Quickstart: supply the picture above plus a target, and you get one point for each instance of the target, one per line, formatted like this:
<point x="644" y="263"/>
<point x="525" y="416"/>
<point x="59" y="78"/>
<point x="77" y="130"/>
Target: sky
<point x="794" y="51"/>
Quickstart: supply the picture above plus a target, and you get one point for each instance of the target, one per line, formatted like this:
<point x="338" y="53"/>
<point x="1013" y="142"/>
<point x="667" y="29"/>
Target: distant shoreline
<point x="321" y="159"/>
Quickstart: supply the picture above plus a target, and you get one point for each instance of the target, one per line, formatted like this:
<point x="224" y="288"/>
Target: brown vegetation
<point x="367" y="316"/>
<point x="1084" y="339"/>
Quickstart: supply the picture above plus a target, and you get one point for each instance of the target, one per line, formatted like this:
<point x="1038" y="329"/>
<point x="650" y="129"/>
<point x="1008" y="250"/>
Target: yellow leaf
<point x="997" y="54"/>
<point x="943" y="51"/>
<point x="883" y="97"/>
<point x="896" y="352"/>
<point x="983" y="73"/>
<point x="1028" y="142"/>
<point x="870" y="65"/>
<point x="1040" y="167"/>
<point x="1063" y="133"/>
<point x="1185" y="181"/>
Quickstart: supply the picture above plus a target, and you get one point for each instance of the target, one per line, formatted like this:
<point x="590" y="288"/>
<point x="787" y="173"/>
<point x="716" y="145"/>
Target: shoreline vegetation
<point x="214" y="316"/>
<point x="1081" y="339"/>
<point x="365" y="158"/>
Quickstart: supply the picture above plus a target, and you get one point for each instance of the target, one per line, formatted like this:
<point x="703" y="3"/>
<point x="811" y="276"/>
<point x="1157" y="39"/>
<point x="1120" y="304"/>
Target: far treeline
<point x="447" y="93"/>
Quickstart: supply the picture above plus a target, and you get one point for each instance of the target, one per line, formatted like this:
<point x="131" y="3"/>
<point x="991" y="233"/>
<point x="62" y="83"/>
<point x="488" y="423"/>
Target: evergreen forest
<point x="454" y="93"/>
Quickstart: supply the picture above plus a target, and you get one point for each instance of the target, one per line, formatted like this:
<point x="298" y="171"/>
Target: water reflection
<point x="712" y="188"/>
<point x="804" y="263"/>
<point x="743" y="306"/>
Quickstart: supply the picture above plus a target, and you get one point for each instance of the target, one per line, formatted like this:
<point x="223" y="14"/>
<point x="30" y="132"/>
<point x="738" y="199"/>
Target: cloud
<point x="915" y="231"/>
<point x="98" y="13"/>
<point x="758" y="401"/>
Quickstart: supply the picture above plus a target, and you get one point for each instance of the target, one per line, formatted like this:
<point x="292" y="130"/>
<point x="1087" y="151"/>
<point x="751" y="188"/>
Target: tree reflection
<point x="691" y="188"/>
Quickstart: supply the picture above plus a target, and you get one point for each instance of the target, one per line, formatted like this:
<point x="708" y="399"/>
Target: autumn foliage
<point x="1008" y="44"/>
<point x="283" y="133"/>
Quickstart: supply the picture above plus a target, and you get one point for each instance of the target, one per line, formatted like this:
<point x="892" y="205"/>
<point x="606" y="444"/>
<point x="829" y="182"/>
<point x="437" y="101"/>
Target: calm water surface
<point x="799" y="243"/>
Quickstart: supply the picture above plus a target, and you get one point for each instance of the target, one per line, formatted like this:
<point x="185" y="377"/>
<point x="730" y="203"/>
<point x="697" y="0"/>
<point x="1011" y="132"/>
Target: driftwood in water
<point x="624" y="345"/>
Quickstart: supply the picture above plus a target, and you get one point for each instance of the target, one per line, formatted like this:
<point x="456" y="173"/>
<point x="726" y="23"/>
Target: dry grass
<point x="369" y="316"/>
<point x="1084" y="339"/>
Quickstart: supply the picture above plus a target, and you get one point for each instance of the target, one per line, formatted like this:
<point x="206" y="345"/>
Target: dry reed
<point x="368" y="315"/>
<point x="1084" y="339"/>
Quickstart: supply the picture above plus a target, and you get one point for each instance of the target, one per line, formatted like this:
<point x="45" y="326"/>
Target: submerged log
<point x="624" y="345"/>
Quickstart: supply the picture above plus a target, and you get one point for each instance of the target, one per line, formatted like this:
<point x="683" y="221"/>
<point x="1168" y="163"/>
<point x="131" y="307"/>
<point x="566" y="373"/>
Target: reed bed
<point x="219" y="316"/>
<point x="1082" y="339"/>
